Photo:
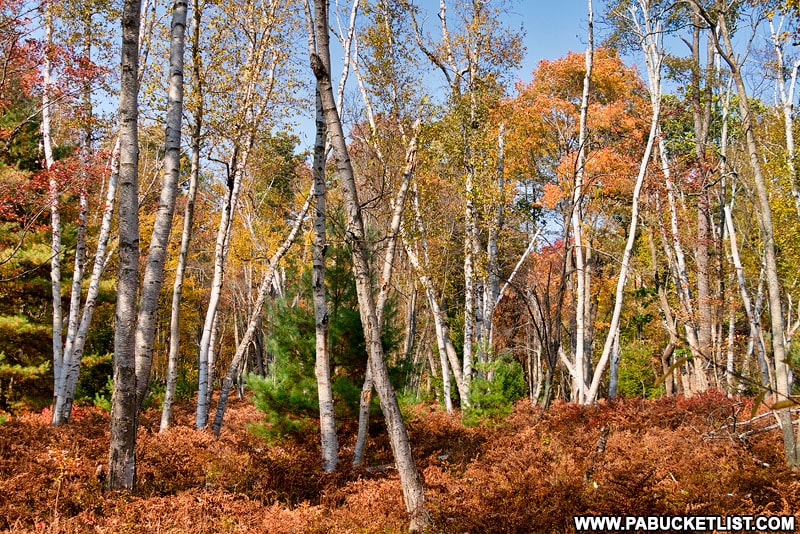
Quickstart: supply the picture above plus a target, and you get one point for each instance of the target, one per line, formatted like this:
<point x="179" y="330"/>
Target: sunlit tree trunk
<point x="55" y="210"/>
<point x="253" y="110"/>
<point x="71" y="366"/>
<point x="446" y="351"/>
<point x="354" y="233"/>
<point x="576" y="220"/>
<point x="188" y="219"/>
<point x="678" y="259"/>
<point x="124" y="409"/>
<point x="753" y="320"/>
<point x="322" y="367"/>
<point x="162" y="227"/>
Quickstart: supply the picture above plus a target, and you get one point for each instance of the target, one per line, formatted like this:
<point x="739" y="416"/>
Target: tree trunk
<point x="322" y="367"/>
<point x="124" y="409"/>
<point x="576" y="219"/>
<point x="55" y="213"/>
<point x="162" y="227"/>
<point x="188" y="220"/>
<point x="398" y="435"/>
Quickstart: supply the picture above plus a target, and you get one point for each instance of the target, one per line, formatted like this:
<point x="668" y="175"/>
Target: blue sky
<point x="552" y="28"/>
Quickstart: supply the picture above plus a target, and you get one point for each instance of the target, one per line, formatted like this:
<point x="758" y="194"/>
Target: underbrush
<point x="531" y="472"/>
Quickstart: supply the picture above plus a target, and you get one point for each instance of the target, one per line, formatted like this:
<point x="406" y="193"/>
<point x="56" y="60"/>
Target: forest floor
<point x="531" y="472"/>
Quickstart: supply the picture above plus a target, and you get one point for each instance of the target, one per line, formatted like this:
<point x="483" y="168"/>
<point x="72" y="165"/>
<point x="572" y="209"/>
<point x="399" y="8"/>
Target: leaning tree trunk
<point x="124" y="409"/>
<point x="188" y="219"/>
<point x="409" y="476"/>
<point x="255" y="316"/>
<point x="162" y="227"/>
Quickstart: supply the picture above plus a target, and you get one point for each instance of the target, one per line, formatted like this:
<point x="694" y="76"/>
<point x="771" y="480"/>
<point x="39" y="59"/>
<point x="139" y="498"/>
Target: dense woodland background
<point x="232" y="209"/>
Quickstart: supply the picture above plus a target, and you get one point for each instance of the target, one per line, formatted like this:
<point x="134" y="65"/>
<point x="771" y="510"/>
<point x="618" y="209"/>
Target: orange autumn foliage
<point x="542" y="139"/>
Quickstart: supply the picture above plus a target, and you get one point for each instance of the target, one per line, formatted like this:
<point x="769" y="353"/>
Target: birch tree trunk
<point x="753" y="320"/>
<point x="409" y="476"/>
<point x="55" y="213"/>
<point x="62" y="408"/>
<point x="162" y="227"/>
<point x="62" y="414"/>
<point x="236" y="169"/>
<point x="447" y="351"/>
<point x="188" y="220"/>
<point x="678" y="258"/>
<point x="322" y="367"/>
<point x="576" y="220"/>
<point x="124" y="409"/>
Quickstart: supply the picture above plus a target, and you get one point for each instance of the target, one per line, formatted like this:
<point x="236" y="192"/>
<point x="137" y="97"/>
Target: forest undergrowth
<point x="531" y="472"/>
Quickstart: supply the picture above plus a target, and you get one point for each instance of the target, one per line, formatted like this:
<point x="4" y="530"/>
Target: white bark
<point x="63" y="403"/>
<point x="678" y="267"/>
<point x="581" y="297"/>
<point x="322" y="367"/>
<point x="409" y="476"/>
<point x="124" y="412"/>
<point x="162" y="227"/>
<point x="186" y="233"/>
<point x="55" y="213"/>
